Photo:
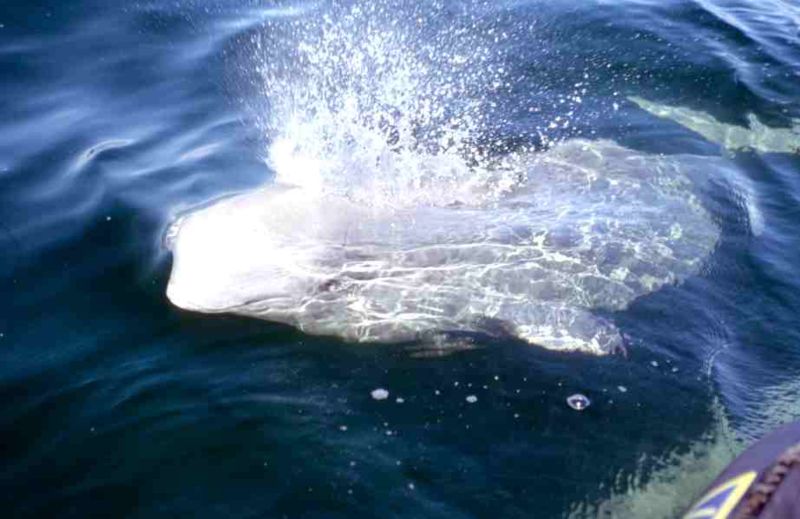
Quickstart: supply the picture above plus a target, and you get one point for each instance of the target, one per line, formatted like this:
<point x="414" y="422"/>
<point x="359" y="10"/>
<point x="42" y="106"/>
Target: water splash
<point x="391" y="104"/>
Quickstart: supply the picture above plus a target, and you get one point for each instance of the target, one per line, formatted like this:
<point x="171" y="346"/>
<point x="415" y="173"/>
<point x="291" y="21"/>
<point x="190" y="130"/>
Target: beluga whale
<point x="385" y="222"/>
<point x="592" y="227"/>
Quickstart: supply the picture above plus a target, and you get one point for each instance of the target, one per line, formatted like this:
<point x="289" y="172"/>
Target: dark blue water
<point x="115" y="117"/>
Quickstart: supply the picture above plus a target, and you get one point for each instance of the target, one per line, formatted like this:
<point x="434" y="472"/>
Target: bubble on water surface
<point x="578" y="401"/>
<point x="379" y="394"/>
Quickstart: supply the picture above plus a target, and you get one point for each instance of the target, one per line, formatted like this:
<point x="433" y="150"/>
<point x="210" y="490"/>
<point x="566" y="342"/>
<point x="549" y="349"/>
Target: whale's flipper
<point x="758" y="137"/>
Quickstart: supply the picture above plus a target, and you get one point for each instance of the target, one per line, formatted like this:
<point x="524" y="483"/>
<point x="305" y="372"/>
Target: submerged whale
<point x="589" y="227"/>
<point x="758" y="137"/>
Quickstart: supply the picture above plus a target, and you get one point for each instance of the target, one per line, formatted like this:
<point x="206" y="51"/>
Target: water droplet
<point x="622" y="389"/>
<point x="578" y="401"/>
<point x="472" y="399"/>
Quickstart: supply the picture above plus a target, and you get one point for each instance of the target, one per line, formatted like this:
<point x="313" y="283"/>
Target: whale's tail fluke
<point x="757" y="137"/>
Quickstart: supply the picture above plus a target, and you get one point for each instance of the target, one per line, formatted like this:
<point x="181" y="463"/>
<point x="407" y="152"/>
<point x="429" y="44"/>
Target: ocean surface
<point x="117" y="118"/>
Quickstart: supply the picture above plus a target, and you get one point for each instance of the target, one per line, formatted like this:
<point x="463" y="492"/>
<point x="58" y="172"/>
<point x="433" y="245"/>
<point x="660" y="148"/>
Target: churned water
<point x="393" y="258"/>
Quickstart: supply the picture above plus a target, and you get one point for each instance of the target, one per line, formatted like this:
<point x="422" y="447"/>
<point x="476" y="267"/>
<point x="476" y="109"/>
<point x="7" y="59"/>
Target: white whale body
<point x="590" y="227"/>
